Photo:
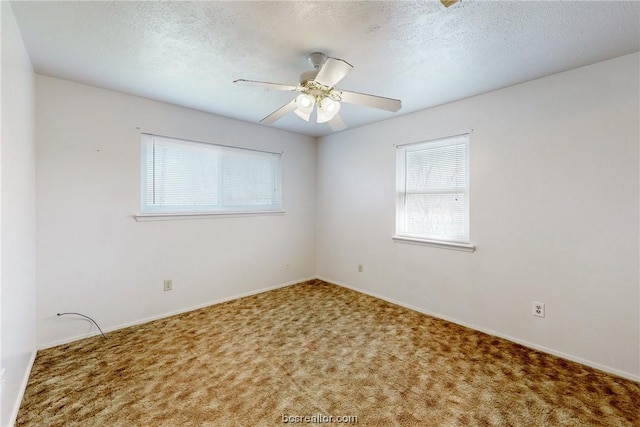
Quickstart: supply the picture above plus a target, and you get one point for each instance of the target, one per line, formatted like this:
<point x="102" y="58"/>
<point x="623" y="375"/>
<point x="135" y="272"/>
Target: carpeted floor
<point x="315" y="349"/>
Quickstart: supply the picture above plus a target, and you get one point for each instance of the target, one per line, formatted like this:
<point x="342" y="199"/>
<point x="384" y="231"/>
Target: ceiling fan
<point x="317" y="89"/>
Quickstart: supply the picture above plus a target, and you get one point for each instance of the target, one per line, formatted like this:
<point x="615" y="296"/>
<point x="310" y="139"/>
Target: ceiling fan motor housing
<point x="308" y="76"/>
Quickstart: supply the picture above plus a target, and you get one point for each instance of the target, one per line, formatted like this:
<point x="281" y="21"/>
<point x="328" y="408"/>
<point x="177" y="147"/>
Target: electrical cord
<point x="87" y="317"/>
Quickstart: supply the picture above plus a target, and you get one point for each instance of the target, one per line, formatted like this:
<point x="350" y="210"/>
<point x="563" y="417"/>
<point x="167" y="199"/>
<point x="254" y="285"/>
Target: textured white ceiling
<point x="188" y="53"/>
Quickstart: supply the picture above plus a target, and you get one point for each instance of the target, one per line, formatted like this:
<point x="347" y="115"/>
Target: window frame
<point x="147" y="213"/>
<point x="401" y="234"/>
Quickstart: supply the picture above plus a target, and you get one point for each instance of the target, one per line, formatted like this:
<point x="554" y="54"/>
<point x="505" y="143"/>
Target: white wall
<point x="94" y="258"/>
<point x="17" y="218"/>
<point x="554" y="214"/>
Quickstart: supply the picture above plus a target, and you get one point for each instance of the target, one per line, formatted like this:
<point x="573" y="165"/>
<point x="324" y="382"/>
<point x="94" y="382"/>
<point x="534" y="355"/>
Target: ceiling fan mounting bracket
<point x="316" y="59"/>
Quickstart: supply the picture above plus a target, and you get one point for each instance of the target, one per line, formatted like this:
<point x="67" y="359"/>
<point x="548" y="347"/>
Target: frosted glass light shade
<point x="304" y="104"/>
<point x="327" y="109"/>
<point x="302" y="115"/>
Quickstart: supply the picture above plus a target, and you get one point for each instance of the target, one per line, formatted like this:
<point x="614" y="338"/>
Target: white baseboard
<point x="534" y="346"/>
<point x="23" y="388"/>
<point x="169" y="314"/>
<point x="525" y="343"/>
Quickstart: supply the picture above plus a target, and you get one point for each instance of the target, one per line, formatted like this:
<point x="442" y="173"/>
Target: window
<point x="186" y="177"/>
<point x="432" y="181"/>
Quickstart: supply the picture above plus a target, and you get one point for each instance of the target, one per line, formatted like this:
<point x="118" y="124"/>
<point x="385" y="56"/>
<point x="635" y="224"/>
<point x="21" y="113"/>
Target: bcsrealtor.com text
<point x="319" y="419"/>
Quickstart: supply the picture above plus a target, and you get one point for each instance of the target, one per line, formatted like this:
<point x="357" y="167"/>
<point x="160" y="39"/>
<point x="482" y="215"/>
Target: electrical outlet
<point x="537" y="309"/>
<point x="287" y="266"/>
<point x="168" y="285"/>
<point x="359" y="268"/>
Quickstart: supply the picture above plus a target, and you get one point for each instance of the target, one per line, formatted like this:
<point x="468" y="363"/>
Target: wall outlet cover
<point x="537" y="309"/>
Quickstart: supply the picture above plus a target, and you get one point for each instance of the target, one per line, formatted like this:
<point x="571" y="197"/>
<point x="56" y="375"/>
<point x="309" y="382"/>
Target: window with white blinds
<point x="433" y="190"/>
<point x="180" y="177"/>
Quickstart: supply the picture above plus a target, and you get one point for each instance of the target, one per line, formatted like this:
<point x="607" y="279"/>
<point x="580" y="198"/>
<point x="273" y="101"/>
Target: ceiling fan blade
<point x="332" y="71"/>
<point x="374" y="101"/>
<point x="267" y="85"/>
<point x="447" y="3"/>
<point x="286" y="108"/>
<point x="337" y="123"/>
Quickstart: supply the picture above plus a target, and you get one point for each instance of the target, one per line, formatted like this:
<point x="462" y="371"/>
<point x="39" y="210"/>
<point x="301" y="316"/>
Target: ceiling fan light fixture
<point x="317" y="88"/>
<point x="302" y="115"/>
<point x="327" y="109"/>
<point x="304" y="104"/>
<point x="329" y="105"/>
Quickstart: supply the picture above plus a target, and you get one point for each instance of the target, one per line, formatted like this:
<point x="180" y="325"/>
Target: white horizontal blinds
<point x="250" y="180"/>
<point x="186" y="176"/>
<point x="436" y="190"/>
<point x="183" y="175"/>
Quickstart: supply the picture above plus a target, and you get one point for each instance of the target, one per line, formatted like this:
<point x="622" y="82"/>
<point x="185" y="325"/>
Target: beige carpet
<point x="315" y="348"/>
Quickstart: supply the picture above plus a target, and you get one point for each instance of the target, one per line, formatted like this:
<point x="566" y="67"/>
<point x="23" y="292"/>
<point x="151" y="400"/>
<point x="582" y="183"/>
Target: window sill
<point x="435" y="243"/>
<point x="144" y="217"/>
